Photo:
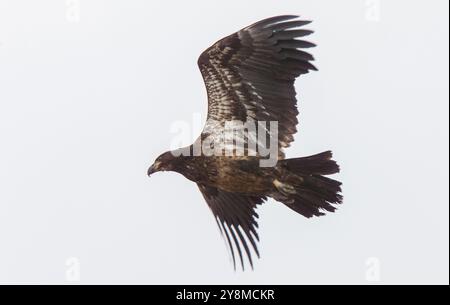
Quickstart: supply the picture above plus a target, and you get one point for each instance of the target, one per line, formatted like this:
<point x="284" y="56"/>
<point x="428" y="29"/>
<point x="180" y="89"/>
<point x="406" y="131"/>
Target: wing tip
<point x="274" y="19"/>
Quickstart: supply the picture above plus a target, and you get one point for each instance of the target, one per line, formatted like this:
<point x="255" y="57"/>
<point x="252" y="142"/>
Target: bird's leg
<point x="284" y="189"/>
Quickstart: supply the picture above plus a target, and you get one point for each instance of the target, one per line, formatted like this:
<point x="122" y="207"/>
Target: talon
<point x="284" y="188"/>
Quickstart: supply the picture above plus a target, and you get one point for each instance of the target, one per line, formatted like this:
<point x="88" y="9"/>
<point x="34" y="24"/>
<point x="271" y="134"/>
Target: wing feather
<point x="250" y="75"/>
<point x="236" y="216"/>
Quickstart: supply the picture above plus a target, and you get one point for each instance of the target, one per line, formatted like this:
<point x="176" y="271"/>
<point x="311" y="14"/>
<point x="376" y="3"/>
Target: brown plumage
<point x="249" y="77"/>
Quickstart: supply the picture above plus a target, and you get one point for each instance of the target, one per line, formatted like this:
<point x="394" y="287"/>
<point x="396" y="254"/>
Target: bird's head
<point x="165" y="162"/>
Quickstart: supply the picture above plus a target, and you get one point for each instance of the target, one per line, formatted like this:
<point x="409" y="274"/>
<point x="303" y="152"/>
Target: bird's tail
<point x="305" y="189"/>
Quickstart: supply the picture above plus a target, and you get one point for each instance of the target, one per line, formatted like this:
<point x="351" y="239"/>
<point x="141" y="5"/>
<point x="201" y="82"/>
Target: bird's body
<point x="249" y="78"/>
<point x="232" y="174"/>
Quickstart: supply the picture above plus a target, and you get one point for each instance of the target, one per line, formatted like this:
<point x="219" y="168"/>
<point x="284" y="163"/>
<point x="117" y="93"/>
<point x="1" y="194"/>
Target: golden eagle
<point x="249" y="77"/>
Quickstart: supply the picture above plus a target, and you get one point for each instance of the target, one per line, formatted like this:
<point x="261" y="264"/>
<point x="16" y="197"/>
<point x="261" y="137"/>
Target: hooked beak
<point x="152" y="169"/>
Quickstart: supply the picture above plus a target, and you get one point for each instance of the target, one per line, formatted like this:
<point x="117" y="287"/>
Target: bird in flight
<point x="249" y="78"/>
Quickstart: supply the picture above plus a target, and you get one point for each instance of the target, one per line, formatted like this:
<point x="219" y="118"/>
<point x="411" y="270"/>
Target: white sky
<point x="87" y="102"/>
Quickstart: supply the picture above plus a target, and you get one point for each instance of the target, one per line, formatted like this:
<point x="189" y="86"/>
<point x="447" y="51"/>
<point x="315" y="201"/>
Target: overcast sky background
<point x="88" y="97"/>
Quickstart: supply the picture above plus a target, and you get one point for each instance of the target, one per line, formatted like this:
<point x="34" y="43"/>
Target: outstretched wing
<point x="250" y="75"/>
<point x="235" y="215"/>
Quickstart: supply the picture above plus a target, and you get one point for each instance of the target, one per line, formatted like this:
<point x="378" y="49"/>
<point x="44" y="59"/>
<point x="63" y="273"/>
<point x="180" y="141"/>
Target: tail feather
<point x="316" y="164"/>
<point x="314" y="193"/>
